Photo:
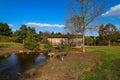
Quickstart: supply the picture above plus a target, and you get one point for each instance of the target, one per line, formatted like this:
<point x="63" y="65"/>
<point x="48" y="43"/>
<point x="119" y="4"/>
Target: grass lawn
<point x="108" y="68"/>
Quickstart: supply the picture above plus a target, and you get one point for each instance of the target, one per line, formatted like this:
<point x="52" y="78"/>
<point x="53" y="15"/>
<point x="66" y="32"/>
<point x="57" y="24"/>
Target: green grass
<point x="5" y="38"/>
<point x="108" y="68"/>
<point x="30" y="71"/>
<point x="8" y="44"/>
<point x="42" y="46"/>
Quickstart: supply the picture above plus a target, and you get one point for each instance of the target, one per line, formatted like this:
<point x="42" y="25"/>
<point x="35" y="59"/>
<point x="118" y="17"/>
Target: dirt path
<point x="73" y="65"/>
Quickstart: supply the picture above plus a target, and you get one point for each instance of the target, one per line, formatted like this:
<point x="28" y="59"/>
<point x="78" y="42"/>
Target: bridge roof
<point x="65" y="36"/>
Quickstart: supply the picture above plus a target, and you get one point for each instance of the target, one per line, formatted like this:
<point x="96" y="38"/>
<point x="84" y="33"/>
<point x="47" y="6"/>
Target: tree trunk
<point x="83" y="44"/>
<point x="109" y="43"/>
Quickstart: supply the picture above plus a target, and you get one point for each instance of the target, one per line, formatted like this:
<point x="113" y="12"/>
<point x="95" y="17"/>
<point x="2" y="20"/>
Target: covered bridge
<point x="73" y="40"/>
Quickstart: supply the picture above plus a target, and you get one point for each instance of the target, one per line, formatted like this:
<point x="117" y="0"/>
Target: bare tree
<point x="82" y="13"/>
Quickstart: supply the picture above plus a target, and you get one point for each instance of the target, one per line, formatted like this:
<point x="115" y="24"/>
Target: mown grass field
<point x="108" y="68"/>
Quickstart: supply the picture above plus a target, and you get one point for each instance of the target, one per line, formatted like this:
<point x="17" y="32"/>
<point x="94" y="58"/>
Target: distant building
<point x="65" y="39"/>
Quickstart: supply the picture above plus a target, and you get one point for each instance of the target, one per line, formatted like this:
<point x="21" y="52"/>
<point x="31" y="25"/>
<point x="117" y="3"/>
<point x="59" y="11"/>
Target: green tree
<point x="107" y="33"/>
<point x="20" y="34"/>
<point x="30" y="40"/>
<point x="52" y="33"/>
<point x="90" y="40"/>
<point x="23" y="32"/>
<point x="116" y="36"/>
<point x="40" y="36"/>
<point x="5" y="30"/>
<point x="101" y="39"/>
<point x="16" y="36"/>
<point x="110" y="30"/>
<point x="58" y="33"/>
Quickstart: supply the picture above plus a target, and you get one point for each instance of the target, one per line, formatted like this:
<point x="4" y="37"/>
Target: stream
<point x="12" y="65"/>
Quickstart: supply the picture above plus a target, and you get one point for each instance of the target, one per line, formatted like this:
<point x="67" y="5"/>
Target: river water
<point x="13" y="65"/>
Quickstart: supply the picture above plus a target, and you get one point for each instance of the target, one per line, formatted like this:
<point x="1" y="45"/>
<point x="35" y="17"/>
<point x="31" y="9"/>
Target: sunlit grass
<point x="8" y="44"/>
<point x="108" y="68"/>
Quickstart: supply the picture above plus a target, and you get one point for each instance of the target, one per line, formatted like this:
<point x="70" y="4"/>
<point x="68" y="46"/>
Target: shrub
<point x="30" y="41"/>
<point x="48" y="46"/>
<point x="66" y="48"/>
<point x="32" y="45"/>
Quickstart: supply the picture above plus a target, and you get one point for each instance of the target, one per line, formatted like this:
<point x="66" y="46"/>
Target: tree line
<point x="108" y="33"/>
<point x="25" y="35"/>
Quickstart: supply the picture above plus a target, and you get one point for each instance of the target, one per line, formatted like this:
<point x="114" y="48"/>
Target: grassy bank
<point x="10" y="47"/>
<point x="108" y="68"/>
<point x="8" y="44"/>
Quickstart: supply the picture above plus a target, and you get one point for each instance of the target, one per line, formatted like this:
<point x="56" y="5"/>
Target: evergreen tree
<point x="5" y="29"/>
<point x="30" y="40"/>
<point x="20" y="35"/>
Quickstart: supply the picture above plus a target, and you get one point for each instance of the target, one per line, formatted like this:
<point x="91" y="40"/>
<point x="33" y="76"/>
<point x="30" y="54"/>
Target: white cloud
<point x="114" y="11"/>
<point x="34" y="24"/>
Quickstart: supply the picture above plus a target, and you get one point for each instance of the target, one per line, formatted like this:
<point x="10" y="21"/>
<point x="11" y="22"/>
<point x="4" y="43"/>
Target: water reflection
<point x="9" y="68"/>
<point x="39" y="59"/>
<point x="19" y="63"/>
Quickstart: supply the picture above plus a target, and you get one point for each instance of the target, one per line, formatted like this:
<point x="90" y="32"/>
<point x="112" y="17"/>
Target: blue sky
<point x="48" y="15"/>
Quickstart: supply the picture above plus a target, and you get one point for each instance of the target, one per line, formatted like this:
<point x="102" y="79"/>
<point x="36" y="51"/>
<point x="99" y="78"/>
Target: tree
<point x="5" y="30"/>
<point x="73" y="24"/>
<point x="30" y="40"/>
<point x="58" y="33"/>
<point x="90" y="40"/>
<point x="52" y="33"/>
<point x="40" y="36"/>
<point x="116" y="36"/>
<point x="45" y="35"/>
<point x="101" y="39"/>
<point x="87" y="11"/>
<point x="107" y="32"/>
<point x="23" y="32"/>
<point x="16" y="37"/>
<point x="20" y="34"/>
